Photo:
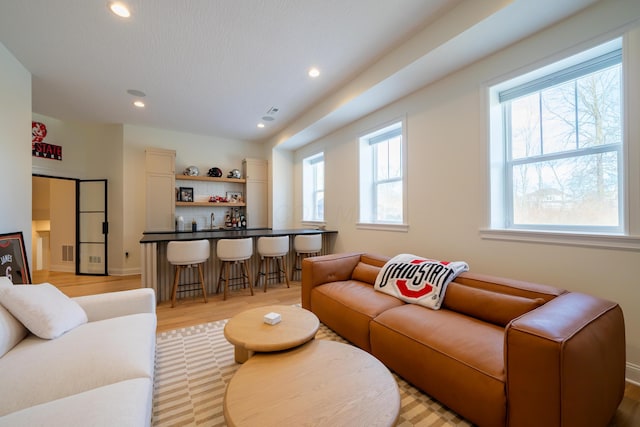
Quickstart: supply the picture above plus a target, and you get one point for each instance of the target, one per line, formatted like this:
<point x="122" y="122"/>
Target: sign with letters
<point x="39" y="148"/>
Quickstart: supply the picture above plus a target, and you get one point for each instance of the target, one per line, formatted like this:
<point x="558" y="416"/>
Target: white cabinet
<point x="256" y="188"/>
<point x="159" y="189"/>
<point x="255" y="170"/>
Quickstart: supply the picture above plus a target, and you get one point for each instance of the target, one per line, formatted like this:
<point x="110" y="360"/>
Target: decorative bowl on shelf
<point x="218" y="199"/>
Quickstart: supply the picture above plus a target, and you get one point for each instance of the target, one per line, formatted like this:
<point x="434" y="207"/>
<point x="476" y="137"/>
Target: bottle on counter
<point x="194" y="225"/>
<point x="180" y="223"/>
<point x="227" y="220"/>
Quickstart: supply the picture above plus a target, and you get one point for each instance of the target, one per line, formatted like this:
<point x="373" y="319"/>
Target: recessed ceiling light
<point x="119" y="9"/>
<point x="314" y="72"/>
<point x="138" y="104"/>
<point x="260" y="125"/>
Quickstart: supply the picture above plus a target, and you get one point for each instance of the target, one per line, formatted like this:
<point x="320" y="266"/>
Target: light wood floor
<point x="188" y="312"/>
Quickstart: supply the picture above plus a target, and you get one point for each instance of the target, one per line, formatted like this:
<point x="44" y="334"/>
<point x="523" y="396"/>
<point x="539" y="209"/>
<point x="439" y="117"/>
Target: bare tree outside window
<point x="565" y="152"/>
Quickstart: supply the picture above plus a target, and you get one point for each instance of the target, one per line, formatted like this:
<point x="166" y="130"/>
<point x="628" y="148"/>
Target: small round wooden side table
<point x="322" y="383"/>
<point x="248" y="332"/>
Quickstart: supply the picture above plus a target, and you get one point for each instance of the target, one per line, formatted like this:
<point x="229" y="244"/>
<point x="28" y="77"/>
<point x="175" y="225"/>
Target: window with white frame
<point x="313" y="188"/>
<point x="382" y="176"/>
<point x="557" y="146"/>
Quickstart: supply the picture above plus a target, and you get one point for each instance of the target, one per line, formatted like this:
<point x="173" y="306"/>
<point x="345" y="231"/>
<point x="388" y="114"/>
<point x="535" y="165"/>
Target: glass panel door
<point x="92" y="227"/>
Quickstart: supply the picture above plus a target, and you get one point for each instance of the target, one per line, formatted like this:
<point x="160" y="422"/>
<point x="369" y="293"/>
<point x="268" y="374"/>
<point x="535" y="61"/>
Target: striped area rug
<point x="194" y="365"/>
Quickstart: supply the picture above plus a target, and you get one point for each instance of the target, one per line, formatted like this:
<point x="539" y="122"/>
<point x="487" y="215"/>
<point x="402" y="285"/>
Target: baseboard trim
<point x="63" y="268"/>
<point x="633" y="373"/>
<point x="124" y="271"/>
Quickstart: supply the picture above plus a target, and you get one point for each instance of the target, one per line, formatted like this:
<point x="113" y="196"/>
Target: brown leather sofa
<point x="499" y="352"/>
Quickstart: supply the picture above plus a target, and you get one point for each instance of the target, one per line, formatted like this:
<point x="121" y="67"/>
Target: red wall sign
<point x="40" y="148"/>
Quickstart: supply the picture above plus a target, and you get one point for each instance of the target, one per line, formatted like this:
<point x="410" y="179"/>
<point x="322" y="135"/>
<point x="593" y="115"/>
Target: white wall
<point x="74" y="149"/>
<point x="447" y="178"/>
<point x="281" y="208"/>
<point x="90" y="151"/>
<point x="15" y="147"/>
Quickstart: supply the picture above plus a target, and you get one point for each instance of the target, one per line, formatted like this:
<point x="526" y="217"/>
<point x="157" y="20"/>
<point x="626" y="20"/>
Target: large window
<point x="382" y="176"/>
<point x="559" y="147"/>
<point x="313" y="188"/>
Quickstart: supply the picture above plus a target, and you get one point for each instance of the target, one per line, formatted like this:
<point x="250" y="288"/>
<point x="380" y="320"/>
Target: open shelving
<point x="210" y="178"/>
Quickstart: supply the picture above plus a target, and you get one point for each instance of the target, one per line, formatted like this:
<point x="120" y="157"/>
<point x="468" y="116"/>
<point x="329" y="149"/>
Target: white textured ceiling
<point x="215" y="67"/>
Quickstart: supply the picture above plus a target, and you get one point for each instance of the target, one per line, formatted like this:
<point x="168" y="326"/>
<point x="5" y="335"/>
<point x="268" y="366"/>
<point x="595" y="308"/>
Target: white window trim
<point x="309" y="159"/>
<point x="630" y="238"/>
<point x="388" y="226"/>
<point x="382" y="226"/>
<point x="604" y="241"/>
<point x="312" y="223"/>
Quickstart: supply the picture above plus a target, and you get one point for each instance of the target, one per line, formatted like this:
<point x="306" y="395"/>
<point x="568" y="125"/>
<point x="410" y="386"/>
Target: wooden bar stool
<point x="305" y="245"/>
<point x="234" y="252"/>
<point x="188" y="254"/>
<point x="272" y="249"/>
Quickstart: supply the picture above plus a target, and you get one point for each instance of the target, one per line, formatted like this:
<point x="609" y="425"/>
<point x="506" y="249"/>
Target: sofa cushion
<point x="11" y="331"/>
<point x="123" y="404"/>
<point x="43" y="309"/>
<point x="348" y="306"/>
<point x="452" y="357"/>
<point x="366" y="273"/>
<point x="509" y="286"/>
<point x="92" y="355"/>
<point x="116" y="304"/>
<point x="492" y="307"/>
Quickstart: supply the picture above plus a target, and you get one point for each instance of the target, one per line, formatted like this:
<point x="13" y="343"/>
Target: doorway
<point x="69" y="226"/>
<point x="92" y="227"/>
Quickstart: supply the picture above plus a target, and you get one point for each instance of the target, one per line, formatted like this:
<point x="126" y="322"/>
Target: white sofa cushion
<point x="92" y="355"/>
<point x="124" y="404"/>
<point x="43" y="309"/>
<point x="11" y="331"/>
<point x="115" y="304"/>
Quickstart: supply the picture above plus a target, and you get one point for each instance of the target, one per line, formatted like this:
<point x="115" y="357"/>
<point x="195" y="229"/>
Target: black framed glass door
<point x="92" y="227"/>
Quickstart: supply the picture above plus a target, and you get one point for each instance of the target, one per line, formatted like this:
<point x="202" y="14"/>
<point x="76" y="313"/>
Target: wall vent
<point x="95" y="260"/>
<point x="67" y="253"/>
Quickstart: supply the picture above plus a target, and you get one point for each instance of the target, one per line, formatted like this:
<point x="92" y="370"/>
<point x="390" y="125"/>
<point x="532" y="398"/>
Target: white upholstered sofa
<point x="94" y="368"/>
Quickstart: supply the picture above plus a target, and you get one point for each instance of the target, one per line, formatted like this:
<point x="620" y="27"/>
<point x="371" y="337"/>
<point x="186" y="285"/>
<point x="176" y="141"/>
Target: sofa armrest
<point x="325" y="269"/>
<point x="565" y="363"/>
<point x="116" y="304"/>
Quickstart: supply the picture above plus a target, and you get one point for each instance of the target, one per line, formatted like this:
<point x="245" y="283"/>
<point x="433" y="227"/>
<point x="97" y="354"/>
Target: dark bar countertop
<point x="152" y="237"/>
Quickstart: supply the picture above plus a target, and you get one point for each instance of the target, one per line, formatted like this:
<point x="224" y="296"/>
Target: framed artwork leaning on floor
<point x="13" y="258"/>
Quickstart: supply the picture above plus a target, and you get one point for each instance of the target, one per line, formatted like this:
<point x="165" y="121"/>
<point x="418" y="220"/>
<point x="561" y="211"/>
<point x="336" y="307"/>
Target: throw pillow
<point x="418" y="280"/>
<point x="365" y="273"/>
<point x="43" y="309"/>
<point x="11" y="331"/>
<point x="492" y="307"/>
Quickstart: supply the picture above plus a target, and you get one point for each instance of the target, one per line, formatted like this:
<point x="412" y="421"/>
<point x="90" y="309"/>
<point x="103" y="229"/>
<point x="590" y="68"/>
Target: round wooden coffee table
<point x="248" y="332"/>
<point x="322" y="383"/>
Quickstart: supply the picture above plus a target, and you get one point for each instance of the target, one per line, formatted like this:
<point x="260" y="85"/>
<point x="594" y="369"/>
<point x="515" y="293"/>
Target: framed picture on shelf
<point x="13" y="258"/>
<point x="234" y="196"/>
<point x="186" y="194"/>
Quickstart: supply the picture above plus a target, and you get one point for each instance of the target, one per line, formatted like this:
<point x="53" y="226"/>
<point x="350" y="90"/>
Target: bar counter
<point x="157" y="272"/>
